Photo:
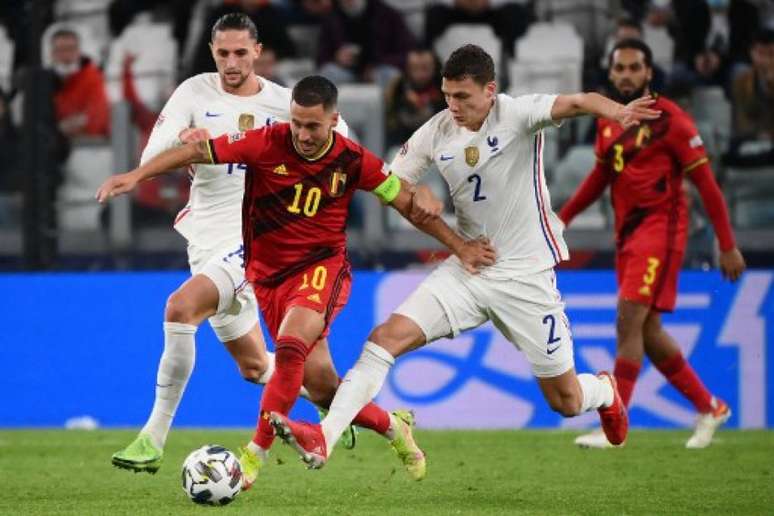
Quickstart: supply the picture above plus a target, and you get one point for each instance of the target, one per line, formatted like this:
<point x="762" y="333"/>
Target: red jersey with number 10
<point x="646" y="165"/>
<point x="295" y="209"/>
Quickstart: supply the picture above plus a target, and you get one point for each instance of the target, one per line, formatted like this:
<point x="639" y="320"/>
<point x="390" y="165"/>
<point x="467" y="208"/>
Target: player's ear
<point x="491" y="88"/>
<point x="334" y="118"/>
<point x="258" y="49"/>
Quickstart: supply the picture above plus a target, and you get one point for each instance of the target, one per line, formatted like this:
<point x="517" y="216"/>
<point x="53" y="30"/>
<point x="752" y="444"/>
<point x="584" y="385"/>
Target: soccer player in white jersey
<point x="233" y="99"/>
<point x="488" y="148"/>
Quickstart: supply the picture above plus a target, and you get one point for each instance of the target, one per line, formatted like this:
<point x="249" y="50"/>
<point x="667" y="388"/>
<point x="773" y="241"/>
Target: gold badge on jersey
<point x="246" y="121"/>
<point x="338" y="183"/>
<point x="471" y="156"/>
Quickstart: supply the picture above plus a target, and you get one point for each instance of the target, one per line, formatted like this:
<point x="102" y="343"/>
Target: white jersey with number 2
<point x="496" y="181"/>
<point x="214" y="212"/>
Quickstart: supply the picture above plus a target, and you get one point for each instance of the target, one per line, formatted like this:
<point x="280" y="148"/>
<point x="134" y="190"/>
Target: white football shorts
<point x="237" y="308"/>
<point x="527" y="310"/>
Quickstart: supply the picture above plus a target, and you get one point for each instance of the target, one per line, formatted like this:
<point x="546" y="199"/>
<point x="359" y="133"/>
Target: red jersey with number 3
<point x="295" y="209"/>
<point x="647" y="164"/>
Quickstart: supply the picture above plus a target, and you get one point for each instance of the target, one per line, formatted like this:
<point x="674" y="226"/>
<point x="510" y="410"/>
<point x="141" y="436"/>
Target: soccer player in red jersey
<point x="299" y="184"/>
<point x="645" y="166"/>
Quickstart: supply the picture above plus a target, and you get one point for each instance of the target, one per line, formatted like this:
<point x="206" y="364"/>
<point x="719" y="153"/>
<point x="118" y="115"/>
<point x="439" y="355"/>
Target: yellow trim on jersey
<point x="323" y="151"/>
<point x="698" y="162"/>
<point x="209" y="151"/>
<point x="389" y="189"/>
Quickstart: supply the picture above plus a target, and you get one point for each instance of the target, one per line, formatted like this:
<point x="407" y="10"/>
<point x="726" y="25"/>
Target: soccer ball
<point x="212" y="475"/>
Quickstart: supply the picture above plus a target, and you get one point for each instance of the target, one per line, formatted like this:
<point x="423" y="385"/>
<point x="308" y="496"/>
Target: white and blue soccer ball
<point x="212" y="475"/>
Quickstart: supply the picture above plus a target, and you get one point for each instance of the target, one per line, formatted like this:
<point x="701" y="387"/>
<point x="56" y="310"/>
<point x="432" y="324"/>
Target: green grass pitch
<point x="485" y="472"/>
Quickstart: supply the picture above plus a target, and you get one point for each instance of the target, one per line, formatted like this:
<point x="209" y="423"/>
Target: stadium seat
<point x="749" y="193"/>
<point x="590" y="18"/>
<point x="6" y="60"/>
<point x="710" y="106"/>
<point x="85" y="170"/>
<point x="549" y="59"/>
<point x="568" y="175"/>
<point x="305" y="38"/>
<point x="293" y="70"/>
<point x="482" y="35"/>
<point x="662" y="45"/>
<point x="155" y="64"/>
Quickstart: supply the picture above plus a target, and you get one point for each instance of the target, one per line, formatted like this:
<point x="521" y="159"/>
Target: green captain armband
<point x="388" y="190"/>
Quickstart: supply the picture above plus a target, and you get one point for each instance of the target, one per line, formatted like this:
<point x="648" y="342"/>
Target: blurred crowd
<point x="100" y="52"/>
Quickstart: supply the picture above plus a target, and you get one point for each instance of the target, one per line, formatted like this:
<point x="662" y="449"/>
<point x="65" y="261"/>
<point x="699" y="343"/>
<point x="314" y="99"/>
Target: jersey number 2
<point x="477" y="192"/>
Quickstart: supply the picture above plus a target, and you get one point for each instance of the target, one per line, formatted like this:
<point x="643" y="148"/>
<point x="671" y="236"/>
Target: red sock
<point x="682" y="376"/>
<point x="282" y="390"/>
<point x="374" y="417"/>
<point x="626" y="372"/>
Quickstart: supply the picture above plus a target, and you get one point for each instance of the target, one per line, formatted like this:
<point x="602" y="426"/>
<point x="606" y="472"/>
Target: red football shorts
<point x="649" y="276"/>
<point x="323" y="286"/>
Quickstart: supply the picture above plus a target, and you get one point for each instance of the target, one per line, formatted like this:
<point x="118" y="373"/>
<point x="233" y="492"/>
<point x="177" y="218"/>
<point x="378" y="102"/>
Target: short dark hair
<point x="635" y="44"/>
<point x="235" y="21"/>
<point x="764" y="36"/>
<point x="65" y="33"/>
<point x="469" y="61"/>
<point x="314" y="90"/>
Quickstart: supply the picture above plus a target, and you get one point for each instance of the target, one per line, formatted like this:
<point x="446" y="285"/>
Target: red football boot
<point x="306" y="438"/>
<point x="615" y="420"/>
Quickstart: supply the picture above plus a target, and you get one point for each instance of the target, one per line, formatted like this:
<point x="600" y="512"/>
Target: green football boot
<point x="412" y="457"/>
<point x="251" y="465"/>
<point x="348" y="439"/>
<point x="140" y="456"/>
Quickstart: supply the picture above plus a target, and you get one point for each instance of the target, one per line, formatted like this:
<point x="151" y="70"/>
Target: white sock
<point x="597" y="392"/>
<point x="266" y="376"/>
<point x="358" y="388"/>
<point x="258" y="451"/>
<point x="175" y="368"/>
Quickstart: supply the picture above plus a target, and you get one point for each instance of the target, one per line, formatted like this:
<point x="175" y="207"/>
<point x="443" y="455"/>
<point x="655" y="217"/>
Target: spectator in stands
<point x="753" y="106"/>
<point x="272" y="31"/>
<point x="413" y="98"/>
<point x="266" y="66"/>
<point x="363" y="41"/>
<point x="80" y="98"/>
<point x="509" y="21"/>
<point x="309" y="12"/>
<point x="627" y="28"/>
<point x="10" y="179"/>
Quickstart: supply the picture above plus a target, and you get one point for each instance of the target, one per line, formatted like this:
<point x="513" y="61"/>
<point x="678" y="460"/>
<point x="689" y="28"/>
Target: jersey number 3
<point x="477" y="191"/>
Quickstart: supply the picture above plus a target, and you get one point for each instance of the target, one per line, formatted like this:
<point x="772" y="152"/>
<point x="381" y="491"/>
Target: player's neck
<point x="251" y="86"/>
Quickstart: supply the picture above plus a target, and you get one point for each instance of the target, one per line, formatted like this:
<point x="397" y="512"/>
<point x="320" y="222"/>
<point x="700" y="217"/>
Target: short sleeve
<point x="415" y="156"/>
<point x="238" y="147"/>
<point x="176" y="116"/>
<point x="372" y="171"/>
<point x="686" y="143"/>
<point x="529" y="113"/>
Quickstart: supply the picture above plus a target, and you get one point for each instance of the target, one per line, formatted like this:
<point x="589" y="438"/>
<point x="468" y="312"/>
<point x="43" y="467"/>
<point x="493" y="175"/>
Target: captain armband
<point x="388" y="190"/>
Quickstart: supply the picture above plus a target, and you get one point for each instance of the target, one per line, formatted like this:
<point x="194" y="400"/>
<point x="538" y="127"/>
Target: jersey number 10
<point x="311" y="200"/>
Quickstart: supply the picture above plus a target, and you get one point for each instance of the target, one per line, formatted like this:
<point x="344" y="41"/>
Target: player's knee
<point x="393" y="338"/>
<point x="253" y="368"/>
<point x="180" y="309"/>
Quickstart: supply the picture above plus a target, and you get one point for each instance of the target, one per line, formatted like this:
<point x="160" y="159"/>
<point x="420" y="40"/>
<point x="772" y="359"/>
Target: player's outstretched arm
<point x="418" y="205"/>
<point x="568" y="106"/>
<point x="732" y="263"/>
<point x="164" y="163"/>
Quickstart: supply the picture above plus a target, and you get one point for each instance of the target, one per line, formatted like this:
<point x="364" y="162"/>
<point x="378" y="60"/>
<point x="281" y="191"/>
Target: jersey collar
<point x="323" y="151"/>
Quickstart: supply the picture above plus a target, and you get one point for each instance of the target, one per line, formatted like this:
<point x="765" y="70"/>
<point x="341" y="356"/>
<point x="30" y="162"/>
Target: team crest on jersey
<point x="338" y="183"/>
<point x="246" y="121"/>
<point x="471" y="156"/>
<point x="235" y="137"/>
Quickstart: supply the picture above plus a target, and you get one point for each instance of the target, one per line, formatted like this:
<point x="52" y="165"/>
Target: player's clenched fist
<point x="194" y="134"/>
<point x="116" y="185"/>
<point x="425" y="206"/>
<point x="475" y="254"/>
<point x="732" y="264"/>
